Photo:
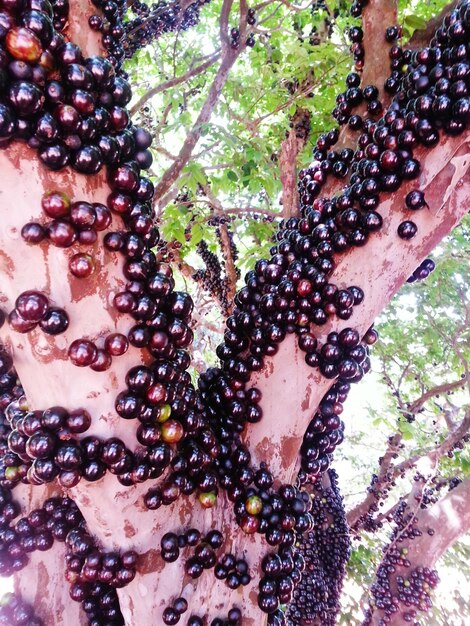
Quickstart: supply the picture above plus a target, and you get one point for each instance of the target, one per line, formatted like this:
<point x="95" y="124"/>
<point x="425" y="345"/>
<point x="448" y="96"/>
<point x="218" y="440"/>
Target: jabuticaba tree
<point x="121" y="481"/>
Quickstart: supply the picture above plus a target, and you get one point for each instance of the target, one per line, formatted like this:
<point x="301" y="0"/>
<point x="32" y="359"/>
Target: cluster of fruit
<point x="326" y="551"/>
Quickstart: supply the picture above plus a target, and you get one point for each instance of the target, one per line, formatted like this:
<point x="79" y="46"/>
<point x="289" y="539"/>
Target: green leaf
<point x="414" y="22"/>
<point x="197" y="234"/>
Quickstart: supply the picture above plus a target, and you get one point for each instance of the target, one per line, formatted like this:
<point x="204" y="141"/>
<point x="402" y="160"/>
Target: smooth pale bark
<point x="449" y="517"/>
<point x="291" y="390"/>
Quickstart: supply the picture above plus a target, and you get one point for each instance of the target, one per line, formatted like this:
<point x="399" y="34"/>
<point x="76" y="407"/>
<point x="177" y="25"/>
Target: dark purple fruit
<point x="407" y="230"/>
<point x="415" y="200"/>
<point x="54" y="322"/>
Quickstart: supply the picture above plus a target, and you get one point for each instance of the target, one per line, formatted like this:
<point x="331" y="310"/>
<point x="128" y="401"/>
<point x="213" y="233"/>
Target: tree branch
<point x="252" y="211"/>
<point x="173" y="82"/>
<point x="291" y="147"/>
<point x="185" y="268"/>
<point x="359" y="512"/>
<point x="224" y="23"/>
<point x="388" y="473"/>
<point x="377" y="15"/>
<point x="226" y="248"/>
<point x="303" y="92"/>
<point x="229" y="56"/>
<point x="418" y="404"/>
<point x="450" y="519"/>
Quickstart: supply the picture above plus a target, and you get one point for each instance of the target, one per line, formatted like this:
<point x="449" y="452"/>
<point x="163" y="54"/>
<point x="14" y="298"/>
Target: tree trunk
<point x="291" y="390"/>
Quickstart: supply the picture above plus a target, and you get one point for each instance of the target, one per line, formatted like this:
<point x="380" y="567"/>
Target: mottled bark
<point x="291" y="390"/>
<point x="449" y="517"/>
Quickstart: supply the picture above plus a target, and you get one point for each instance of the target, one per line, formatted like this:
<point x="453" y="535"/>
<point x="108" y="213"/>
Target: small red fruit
<point x="23" y="44"/>
<point x="82" y="352"/>
<point x="172" y="431"/>
<point x="32" y="305"/>
<point x="102" y="362"/>
<point x="116" y="344"/>
<point x="249" y="524"/>
<point x="156" y="393"/>
<point x="55" y="204"/>
<point x="81" y="265"/>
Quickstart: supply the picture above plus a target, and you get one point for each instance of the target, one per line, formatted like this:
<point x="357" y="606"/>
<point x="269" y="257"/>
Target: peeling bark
<point x="291" y="390"/>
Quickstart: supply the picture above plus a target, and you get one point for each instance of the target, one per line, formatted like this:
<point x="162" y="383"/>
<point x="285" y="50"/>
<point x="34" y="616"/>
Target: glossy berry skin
<point x="249" y="524"/>
<point x="415" y="200"/>
<point x="215" y="539"/>
<point x="55" y="204"/>
<point x="61" y="234"/>
<point x="407" y="230"/>
<point x="33" y="233"/>
<point x="78" y="421"/>
<point x="23" y="44"/>
<point x="103" y="216"/>
<point x="116" y="344"/>
<point x="172" y="431"/>
<point x="170" y="616"/>
<point x="55" y="156"/>
<point x="207" y="500"/>
<point x="32" y="305"/>
<point x="254" y="505"/>
<point x="82" y="214"/>
<point x="180" y="605"/>
<point x="82" y="352"/>
<point x="54" y="322"/>
<point x="102" y="362"/>
<point x="81" y="265"/>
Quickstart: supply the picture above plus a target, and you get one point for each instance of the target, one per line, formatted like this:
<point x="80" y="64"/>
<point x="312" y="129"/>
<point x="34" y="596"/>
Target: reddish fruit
<point x="32" y="305"/>
<point x="304" y="287"/>
<point x="82" y="214"/>
<point x="172" y="431"/>
<point x="55" y="321"/>
<point x="55" y="204"/>
<point x="87" y="236"/>
<point x="47" y="61"/>
<point x="82" y="352"/>
<point x="61" y="234"/>
<point x="116" y="344"/>
<point x="102" y="362"/>
<point x="23" y="44"/>
<point x="78" y="421"/>
<point x="33" y="232"/>
<point x="249" y="524"/>
<point x="156" y="393"/>
<point x="103" y="216"/>
<point x="81" y="265"/>
<point x="371" y="336"/>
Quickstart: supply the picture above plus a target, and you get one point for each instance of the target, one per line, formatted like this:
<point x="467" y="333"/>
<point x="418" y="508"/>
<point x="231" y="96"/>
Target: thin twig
<point x="173" y="82"/>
